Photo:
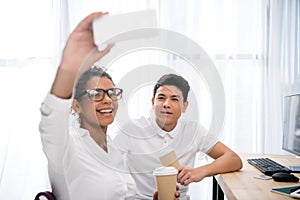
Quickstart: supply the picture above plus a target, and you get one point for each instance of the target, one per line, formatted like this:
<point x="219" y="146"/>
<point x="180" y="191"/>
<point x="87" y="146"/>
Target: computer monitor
<point x="291" y="124"/>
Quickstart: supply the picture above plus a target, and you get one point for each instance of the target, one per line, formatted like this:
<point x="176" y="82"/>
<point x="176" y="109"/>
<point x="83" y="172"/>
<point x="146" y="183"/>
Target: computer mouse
<point x="284" y="177"/>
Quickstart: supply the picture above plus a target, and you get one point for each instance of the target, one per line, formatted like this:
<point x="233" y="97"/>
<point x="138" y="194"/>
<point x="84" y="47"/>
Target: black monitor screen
<point x="291" y="124"/>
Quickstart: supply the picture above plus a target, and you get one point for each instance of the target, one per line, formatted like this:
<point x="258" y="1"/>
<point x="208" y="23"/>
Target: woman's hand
<point x="80" y="52"/>
<point x="80" y="44"/>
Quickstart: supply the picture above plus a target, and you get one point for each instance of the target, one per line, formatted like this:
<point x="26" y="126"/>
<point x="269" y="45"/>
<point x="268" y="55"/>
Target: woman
<point x="81" y="162"/>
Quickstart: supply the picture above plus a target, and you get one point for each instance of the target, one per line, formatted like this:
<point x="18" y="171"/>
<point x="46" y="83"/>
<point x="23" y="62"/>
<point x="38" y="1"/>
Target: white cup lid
<point x="163" y="171"/>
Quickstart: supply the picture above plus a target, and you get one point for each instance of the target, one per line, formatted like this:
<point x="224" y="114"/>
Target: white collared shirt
<point x="78" y="168"/>
<point x="143" y="142"/>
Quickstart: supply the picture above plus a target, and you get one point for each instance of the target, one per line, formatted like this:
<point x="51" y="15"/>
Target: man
<point x="144" y="141"/>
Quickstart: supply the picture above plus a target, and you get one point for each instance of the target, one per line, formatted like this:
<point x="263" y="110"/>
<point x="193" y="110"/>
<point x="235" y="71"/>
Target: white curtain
<point x="281" y="68"/>
<point x="26" y="69"/>
<point x="254" y="44"/>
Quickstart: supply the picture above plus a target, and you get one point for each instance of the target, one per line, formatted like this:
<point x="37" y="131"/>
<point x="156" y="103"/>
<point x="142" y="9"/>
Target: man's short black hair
<point x="175" y="80"/>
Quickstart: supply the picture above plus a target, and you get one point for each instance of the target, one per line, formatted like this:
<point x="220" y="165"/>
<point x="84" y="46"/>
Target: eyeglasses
<point x="97" y="94"/>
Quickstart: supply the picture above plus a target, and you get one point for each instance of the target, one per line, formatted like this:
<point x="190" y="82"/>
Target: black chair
<point x="45" y="196"/>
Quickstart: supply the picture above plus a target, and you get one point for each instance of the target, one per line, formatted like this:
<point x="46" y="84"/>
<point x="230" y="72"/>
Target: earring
<point x="75" y="117"/>
<point x="72" y="111"/>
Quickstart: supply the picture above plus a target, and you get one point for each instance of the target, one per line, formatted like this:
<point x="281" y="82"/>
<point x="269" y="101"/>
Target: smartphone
<point x="263" y="176"/>
<point x="108" y="26"/>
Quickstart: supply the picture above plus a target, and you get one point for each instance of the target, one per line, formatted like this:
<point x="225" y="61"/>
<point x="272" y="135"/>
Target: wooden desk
<point x="242" y="185"/>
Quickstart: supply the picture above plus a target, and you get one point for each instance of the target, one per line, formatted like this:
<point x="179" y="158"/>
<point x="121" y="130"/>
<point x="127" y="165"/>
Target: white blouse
<point x="78" y="168"/>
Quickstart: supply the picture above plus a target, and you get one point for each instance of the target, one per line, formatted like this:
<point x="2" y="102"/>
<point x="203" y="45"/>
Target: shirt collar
<point x="163" y="133"/>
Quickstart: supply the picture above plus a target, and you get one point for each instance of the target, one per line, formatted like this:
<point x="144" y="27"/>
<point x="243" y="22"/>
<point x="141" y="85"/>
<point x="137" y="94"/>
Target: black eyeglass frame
<point x="109" y="92"/>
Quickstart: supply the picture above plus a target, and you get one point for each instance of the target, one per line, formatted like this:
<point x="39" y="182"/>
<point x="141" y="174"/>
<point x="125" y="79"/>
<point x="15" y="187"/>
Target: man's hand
<point x="187" y="175"/>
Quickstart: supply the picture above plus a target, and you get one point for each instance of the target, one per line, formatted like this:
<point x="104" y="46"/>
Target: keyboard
<point x="268" y="166"/>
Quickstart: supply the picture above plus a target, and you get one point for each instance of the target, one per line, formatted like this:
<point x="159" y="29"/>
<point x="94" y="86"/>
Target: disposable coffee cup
<point x="166" y="179"/>
<point x="170" y="159"/>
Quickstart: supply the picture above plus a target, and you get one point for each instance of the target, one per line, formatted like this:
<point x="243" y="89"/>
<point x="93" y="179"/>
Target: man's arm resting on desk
<point x="226" y="160"/>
